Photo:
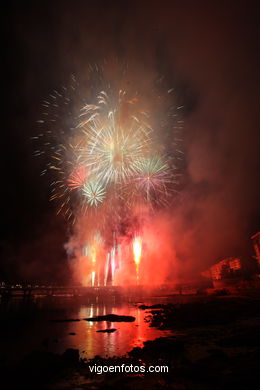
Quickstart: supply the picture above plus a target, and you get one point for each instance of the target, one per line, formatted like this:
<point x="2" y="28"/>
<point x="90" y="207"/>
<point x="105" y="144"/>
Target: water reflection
<point x="41" y="333"/>
<point x="127" y="336"/>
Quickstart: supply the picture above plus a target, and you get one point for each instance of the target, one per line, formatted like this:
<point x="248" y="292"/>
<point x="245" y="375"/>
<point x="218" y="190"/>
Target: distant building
<point x="256" y="244"/>
<point x="225" y="268"/>
<point x="233" y="269"/>
<point x="224" y="273"/>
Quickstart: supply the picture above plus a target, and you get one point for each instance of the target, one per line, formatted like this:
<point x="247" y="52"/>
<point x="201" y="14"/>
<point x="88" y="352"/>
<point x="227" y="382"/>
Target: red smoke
<point x="158" y="260"/>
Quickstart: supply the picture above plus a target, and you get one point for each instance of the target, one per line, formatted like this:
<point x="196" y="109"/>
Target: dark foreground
<point x="215" y="346"/>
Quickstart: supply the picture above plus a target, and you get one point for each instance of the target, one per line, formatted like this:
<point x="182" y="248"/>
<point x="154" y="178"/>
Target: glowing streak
<point x="93" y="255"/>
<point x="93" y="275"/>
<point x="137" y="250"/>
<point x="93" y="260"/>
<point x="106" y="268"/>
<point x="113" y="261"/>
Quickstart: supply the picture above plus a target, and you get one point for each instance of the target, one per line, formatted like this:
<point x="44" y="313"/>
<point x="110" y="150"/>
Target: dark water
<point x="26" y="325"/>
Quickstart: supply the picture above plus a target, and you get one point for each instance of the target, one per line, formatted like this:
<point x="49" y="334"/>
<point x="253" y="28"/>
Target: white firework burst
<point x="94" y="192"/>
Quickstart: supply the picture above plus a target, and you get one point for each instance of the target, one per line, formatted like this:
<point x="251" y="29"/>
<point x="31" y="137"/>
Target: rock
<point x="111" y="318"/>
<point x="157" y="306"/>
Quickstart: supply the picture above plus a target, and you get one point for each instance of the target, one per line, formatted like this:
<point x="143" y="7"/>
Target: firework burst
<point x="112" y="141"/>
<point x="104" y="152"/>
<point x="153" y="178"/>
<point x="94" y="193"/>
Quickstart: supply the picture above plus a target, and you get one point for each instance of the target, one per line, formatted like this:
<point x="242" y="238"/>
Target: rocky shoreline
<point x="215" y="345"/>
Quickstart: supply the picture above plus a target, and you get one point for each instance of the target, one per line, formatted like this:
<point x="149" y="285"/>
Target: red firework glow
<point x="146" y="258"/>
<point x="77" y="177"/>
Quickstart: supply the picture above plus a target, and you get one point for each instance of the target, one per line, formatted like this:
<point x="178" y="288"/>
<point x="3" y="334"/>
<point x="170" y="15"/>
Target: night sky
<point x="208" y="51"/>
